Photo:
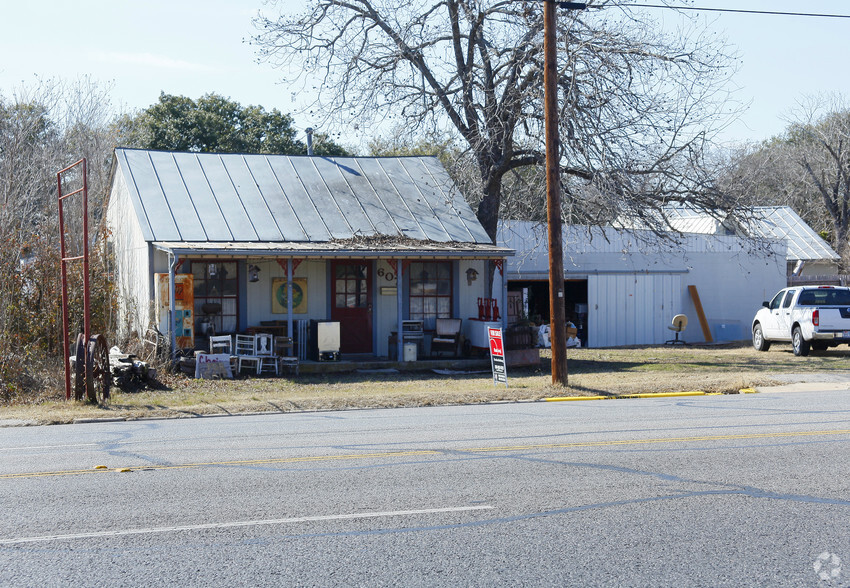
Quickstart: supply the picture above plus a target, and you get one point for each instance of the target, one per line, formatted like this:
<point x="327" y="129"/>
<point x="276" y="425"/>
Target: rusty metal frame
<point x="65" y="259"/>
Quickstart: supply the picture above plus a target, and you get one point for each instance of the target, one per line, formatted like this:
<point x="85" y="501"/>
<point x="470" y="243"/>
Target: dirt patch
<point x="592" y="372"/>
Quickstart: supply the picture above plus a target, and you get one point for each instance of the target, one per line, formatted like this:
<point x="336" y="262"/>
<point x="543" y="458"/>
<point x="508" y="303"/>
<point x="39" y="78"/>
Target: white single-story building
<point x="227" y="243"/>
<point x="623" y="287"/>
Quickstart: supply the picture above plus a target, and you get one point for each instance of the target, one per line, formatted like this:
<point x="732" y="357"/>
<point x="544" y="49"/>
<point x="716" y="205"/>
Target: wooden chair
<point x="221" y="344"/>
<point x="282" y="348"/>
<point x="264" y="350"/>
<point x="246" y="352"/>
<point x="446" y="336"/>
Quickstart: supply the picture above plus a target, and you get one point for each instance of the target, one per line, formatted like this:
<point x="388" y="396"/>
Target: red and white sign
<point x="497" y="357"/>
<point x="495" y="336"/>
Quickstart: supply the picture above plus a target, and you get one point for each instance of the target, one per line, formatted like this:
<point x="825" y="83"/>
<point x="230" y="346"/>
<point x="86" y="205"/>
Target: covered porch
<point x="361" y="294"/>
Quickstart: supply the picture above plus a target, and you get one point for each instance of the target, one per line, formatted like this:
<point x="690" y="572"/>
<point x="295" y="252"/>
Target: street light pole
<point x="558" y="330"/>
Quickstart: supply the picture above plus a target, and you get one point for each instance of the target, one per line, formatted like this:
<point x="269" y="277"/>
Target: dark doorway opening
<point x="535" y="297"/>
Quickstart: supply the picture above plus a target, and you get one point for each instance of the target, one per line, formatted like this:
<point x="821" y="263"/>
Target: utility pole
<point x="558" y="330"/>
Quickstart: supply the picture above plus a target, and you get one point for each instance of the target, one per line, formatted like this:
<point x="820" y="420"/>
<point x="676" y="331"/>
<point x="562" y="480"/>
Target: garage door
<point x="631" y="309"/>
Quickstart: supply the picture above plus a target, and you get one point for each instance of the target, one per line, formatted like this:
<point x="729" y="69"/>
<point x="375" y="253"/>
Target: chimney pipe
<point x="309" y="140"/>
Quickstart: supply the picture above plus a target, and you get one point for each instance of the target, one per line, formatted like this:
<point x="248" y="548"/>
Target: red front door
<point x="351" y="295"/>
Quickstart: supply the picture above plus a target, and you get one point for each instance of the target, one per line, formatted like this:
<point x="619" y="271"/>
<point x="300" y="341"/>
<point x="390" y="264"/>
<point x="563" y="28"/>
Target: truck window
<point x="839" y="297"/>
<point x="788" y="298"/>
<point x="807" y="298"/>
<point x="824" y="297"/>
<point x="777" y="301"/>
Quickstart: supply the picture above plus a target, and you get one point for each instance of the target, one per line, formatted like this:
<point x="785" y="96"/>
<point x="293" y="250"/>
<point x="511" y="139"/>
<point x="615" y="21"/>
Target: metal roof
<point x="595" y="250"/>
<point x="781" y="222"/>
<point x="410" y="250"/>
<point x="183" y="198"/>
<point x="768" y="222"/>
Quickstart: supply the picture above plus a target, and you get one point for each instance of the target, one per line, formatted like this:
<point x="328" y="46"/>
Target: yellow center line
<point x="246" y="462"/>
<point x="425" y="452"/>
<point x="663" y="440"/>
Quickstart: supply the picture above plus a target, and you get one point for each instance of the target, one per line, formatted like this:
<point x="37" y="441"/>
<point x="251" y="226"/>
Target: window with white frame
<point x="430" y="291"/>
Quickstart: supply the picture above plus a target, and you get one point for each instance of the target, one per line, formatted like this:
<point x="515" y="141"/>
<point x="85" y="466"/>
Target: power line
<point x="772" y="12"/>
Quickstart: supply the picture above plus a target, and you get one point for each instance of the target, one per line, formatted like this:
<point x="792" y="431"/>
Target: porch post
<point x="289" y="304"/>
<point x="172" y="333"/>
<point x="399" y="291"/>
<point x="504" y="293"/>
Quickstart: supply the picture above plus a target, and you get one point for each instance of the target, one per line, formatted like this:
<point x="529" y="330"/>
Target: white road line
<point x="150" y="530"/>
<point x="63" y="446"/>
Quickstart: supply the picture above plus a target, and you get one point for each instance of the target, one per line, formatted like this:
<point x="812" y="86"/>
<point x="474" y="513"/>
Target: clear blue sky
<point x="192" y="47"/>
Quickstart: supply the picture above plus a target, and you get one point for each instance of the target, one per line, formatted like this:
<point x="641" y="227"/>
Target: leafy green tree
<point x="213" y="123"/>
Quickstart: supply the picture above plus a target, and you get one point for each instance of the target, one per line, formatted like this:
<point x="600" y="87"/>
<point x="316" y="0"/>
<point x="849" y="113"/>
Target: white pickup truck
<point x="813" y="317"/>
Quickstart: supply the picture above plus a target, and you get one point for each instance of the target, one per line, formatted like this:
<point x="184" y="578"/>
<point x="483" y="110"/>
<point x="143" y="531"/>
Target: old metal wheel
<point x="80" y="367"/>
<point x="800" y="345"/>
<point x="98" y="375"/>
<point x="759" y="342"/>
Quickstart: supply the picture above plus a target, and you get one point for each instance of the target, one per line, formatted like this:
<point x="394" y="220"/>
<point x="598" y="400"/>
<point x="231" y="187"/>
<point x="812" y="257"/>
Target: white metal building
<point x="624" y="287"/>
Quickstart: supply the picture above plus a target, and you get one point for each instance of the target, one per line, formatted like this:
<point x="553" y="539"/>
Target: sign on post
<point x="497" y="357"/>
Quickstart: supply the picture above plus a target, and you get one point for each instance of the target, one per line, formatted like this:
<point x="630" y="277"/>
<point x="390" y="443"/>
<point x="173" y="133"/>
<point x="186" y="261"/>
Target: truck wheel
<point x="800" y="345"/>
<point x="759" y="342"/>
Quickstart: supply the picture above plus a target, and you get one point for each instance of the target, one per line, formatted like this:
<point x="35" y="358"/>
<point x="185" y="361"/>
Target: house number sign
<point x="388" y="276"/>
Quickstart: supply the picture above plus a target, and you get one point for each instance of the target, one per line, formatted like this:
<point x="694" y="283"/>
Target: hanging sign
<point x="497" y="357"/>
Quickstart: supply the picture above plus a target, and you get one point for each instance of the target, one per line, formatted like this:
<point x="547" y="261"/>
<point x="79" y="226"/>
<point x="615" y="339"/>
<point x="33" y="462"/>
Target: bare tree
<point x="820" y="145"/>
<point x="639" y="106"/>
<point x="807" y="168"/>
<point x="42" y="130"/>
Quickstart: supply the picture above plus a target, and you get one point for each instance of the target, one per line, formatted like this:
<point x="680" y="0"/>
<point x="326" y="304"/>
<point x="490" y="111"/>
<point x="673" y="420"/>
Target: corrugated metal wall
<point x="132" y="257"/>
<point x="631" y="309"/>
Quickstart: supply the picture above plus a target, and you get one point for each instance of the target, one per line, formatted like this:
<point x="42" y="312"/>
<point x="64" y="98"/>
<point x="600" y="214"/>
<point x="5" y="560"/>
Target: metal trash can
<point x="410" y="351"/>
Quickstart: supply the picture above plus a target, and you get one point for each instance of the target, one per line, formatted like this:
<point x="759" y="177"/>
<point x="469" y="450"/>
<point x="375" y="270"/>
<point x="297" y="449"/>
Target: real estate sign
<point x="497" y="357"/>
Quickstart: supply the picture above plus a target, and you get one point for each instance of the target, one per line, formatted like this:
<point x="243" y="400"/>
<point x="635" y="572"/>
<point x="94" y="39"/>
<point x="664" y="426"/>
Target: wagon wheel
<point x="98" y="374"/>
<point x="80" y="367"/>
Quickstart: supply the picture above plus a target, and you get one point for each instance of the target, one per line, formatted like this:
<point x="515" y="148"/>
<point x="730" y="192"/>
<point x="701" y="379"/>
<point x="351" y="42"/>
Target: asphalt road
<point x="749" y="490"/>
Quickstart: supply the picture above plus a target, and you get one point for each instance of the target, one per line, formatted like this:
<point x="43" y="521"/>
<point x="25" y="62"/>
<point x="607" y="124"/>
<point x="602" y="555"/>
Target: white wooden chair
<point x="221" y="344"/>
<point x="264" y="351"/>
<point x="246" y="352"/>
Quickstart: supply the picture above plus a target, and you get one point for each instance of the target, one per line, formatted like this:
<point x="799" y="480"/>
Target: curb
<point x="649" y="395"/>
<point x="99" y="420"/>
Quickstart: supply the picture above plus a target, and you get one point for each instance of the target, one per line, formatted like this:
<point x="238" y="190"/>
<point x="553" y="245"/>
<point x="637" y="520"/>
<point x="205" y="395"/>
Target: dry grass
<point x="591" y="372"/>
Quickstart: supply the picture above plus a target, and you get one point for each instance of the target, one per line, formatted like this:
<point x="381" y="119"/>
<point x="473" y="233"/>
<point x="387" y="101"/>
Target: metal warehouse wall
<point x="637" y="282"/>
<point x="632" y="309"/>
